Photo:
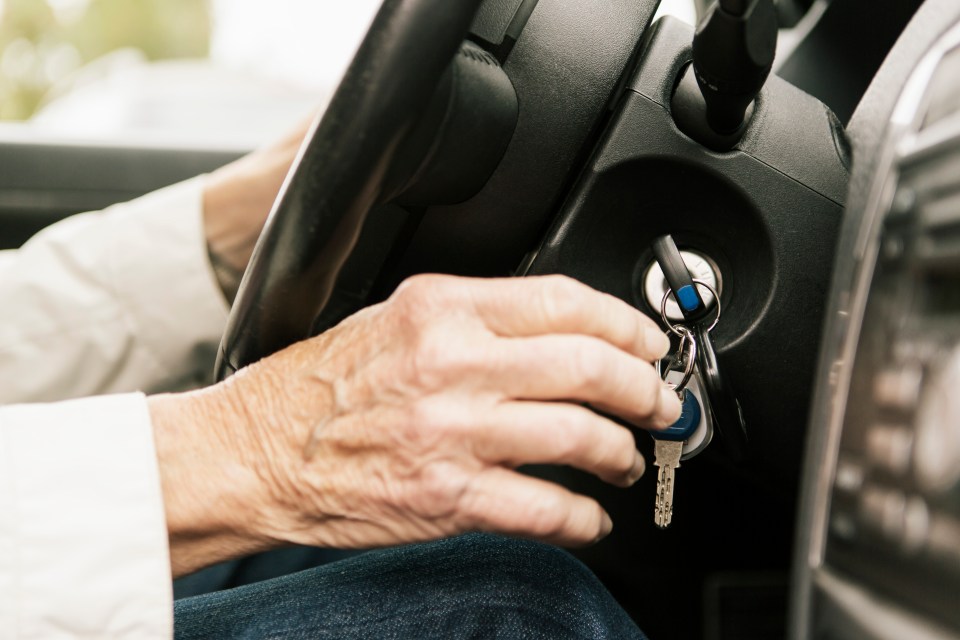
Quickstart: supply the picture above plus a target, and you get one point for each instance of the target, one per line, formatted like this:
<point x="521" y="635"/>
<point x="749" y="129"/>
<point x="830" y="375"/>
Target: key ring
<point x="688" y="344"/>
<point x="676" y="329"/>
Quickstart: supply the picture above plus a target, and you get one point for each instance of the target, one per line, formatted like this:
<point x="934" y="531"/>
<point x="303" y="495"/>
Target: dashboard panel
<point x="882" y="556"/>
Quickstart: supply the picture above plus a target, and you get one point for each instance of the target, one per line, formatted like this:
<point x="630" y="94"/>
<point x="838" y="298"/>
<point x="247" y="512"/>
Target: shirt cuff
<point x="175" y="300"/>
<point x="114" y="301"/>
<point x="83" y="541"/>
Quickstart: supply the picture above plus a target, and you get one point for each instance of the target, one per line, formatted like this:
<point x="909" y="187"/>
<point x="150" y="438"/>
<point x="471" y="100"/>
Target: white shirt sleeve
<point x="113" y="301"/>
<point x="83" y="543"/>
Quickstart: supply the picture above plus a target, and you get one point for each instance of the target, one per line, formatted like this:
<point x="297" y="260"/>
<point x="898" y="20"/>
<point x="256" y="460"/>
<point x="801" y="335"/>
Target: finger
<point x="517" y="433"/>
<point x="503" y="501"/>
<point x="518" y="307"/>
<point x="585" y="369"/>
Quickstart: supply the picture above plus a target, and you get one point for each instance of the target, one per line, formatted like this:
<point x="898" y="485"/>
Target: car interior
<point x="804" y="155"/>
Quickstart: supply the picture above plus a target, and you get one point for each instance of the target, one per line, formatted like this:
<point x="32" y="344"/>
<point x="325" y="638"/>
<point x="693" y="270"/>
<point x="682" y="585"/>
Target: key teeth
<point x="663" y="512"/>
<point x="667" y="458"/>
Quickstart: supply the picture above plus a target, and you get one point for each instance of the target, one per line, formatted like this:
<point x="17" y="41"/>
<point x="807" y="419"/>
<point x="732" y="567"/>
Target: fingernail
<point x="639" y="467"/>
<point x="660" y="344"/>
<point x="670" y="407"/>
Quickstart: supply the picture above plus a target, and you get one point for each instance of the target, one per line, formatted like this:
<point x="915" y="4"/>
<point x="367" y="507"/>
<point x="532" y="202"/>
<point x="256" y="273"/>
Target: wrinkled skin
<point x="406" y="423"/>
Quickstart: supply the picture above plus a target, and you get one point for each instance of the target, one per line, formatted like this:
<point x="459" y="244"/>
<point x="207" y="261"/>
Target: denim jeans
<point x="476" y="586"/>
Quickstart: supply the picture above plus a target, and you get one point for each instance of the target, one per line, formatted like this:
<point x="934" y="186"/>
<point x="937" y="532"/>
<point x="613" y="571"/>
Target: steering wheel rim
<point x="340" y="174"/>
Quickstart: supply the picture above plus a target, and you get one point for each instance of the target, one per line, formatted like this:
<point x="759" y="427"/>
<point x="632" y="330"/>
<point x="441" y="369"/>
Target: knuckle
<point x="440" y="489"/>
<point x="410" y="289"/>
<point x="547" y="517"/>
<point x="472" y="510"/>
<point x="419" y="295"/>
<point x="444" y="484"/>
<point x="417" y="286"/>
<point x="571" y="432"/>
<point x="430" y="353"/>
<point x="589" y="365"/>
<point x="422" y="420"/>
<point x="431" y="421"/>
<point x="564" y="284"/>
<point x="560" y="299"/>
<point x="440" y="358"/>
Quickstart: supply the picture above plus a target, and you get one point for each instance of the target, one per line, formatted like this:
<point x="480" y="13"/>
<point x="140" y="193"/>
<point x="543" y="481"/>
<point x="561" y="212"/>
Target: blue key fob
<point x="687" y="425"/>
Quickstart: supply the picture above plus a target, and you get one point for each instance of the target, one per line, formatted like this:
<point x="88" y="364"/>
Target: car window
<point x="225" y="73"/>
<point x="216" y="73"/>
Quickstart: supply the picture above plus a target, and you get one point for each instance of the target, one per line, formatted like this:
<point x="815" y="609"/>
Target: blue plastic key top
<point x="687" y="425"/>
<point x="668" y="449"/>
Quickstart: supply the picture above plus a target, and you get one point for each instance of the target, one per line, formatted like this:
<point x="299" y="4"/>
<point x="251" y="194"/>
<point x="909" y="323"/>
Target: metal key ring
<point x="690" y="362"/>
<point x="675" y="328"/>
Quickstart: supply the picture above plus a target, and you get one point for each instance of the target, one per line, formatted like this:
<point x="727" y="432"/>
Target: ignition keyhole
<point x="700" y="266"/>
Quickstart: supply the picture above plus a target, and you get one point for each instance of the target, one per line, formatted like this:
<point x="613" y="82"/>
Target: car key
<point x="698" y="442"/>
<point x="728" y="419"/>
<point x="669" y="443"/>
<point x="668" y="449"/>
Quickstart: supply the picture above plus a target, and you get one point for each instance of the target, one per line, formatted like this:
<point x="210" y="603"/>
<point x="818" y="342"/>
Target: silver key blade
<point x="667" y="454"/>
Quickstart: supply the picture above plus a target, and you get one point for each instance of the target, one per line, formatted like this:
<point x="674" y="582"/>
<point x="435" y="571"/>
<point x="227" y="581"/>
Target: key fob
<point x="700" y="438"/>
<point x="728" y="416"/>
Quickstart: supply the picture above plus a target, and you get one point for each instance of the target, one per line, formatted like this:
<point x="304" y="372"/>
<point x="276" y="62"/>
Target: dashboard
<point x="881" y="556"/>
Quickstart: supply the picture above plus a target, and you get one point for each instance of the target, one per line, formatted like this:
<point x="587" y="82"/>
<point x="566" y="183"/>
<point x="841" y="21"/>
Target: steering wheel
<point x="353" y="160"/>
<point x="425" y="161"/>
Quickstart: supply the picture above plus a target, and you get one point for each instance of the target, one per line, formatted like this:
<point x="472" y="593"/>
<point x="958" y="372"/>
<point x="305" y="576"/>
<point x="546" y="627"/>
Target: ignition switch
<point x="700" y="267"/>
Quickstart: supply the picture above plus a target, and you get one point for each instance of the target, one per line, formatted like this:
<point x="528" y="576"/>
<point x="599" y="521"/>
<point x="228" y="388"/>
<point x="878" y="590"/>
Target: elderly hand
<point x="406" y="422"/>
<point x="237" y="200"/>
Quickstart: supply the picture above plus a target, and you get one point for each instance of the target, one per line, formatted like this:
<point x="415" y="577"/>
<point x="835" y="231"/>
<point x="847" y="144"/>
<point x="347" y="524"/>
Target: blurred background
<point x="225" y="73"/>
<point x="208" y="73"/>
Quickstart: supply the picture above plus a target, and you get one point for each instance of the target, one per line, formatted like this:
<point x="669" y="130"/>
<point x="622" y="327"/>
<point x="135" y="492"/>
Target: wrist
<point x="236" y="201"/>
<point x="206" y="488"/>
<point x="234" y="210"/>
<point x="228" y="276"/>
